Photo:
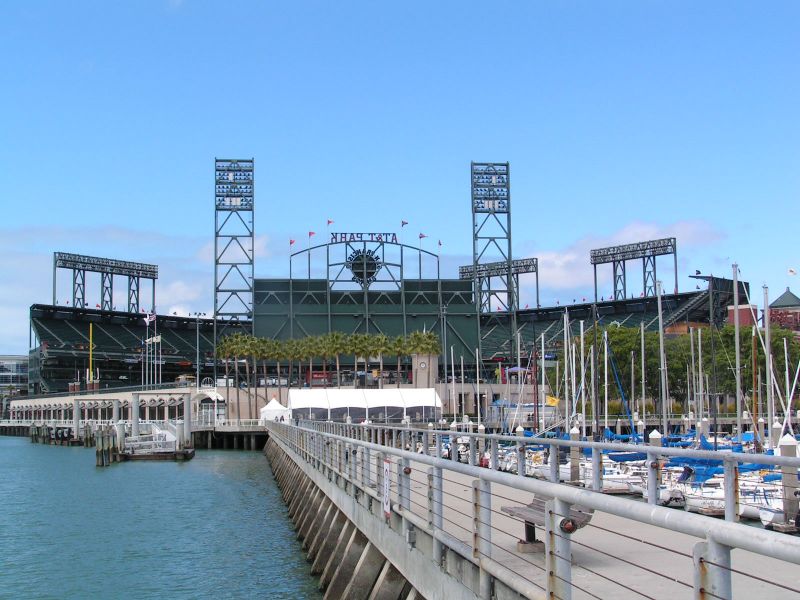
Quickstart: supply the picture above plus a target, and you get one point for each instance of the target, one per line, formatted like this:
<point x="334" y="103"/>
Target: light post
<point x="197" y="316"/>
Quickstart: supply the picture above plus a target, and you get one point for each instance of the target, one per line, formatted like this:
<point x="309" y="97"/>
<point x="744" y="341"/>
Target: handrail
<point x="337" y="448"/>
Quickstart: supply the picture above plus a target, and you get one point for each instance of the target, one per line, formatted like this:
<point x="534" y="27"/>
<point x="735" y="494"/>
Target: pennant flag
<point x="526" y="306"/>
<point x="440" y="243"/>
<point x="551" y="401"/>
<point x="403" y="223"/>
<point x="330" y="221"/>
<point x="291" y="242"/>
<point x="310" y="233"/>
<point x="422" y="235"/>
<point x="792" y="271"/>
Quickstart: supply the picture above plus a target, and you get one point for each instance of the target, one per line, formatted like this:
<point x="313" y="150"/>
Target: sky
<point x="622" y="121"/>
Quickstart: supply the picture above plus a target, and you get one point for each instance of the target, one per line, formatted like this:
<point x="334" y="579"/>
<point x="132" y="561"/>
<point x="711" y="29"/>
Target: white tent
<point x="273" y="411"/>
<point x="390" y="404"/>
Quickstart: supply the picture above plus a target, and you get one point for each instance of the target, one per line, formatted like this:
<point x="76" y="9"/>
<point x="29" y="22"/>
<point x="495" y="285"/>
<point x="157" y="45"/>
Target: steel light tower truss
<point x="491" y="237"/>
<point x="519" y="266"/>
<point x="234" y="244"/>
<point x="107" y="267"/>
<point x="647" y="252"/>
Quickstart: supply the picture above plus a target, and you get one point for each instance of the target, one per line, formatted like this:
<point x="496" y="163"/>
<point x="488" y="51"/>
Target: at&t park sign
<point x="339" y="238"/>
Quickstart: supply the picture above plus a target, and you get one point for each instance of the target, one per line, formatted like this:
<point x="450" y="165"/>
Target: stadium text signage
<point x="339" y="238"/>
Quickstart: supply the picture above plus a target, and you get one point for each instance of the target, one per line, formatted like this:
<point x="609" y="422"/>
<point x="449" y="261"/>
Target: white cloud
<point x="566" y="273"/>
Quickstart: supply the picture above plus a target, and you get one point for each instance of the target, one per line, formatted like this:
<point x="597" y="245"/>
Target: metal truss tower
<point x="646" y="252"/>
<point x="108" y="268"/>
<point x="491" y="237"/>
<point x="233" y="245"/>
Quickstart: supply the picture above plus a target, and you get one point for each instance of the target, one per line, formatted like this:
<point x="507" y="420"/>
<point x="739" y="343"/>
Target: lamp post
<point x="197" y="316"/>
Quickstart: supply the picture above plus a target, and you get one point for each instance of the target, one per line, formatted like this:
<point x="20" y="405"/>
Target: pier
<point x="441" y="525"/>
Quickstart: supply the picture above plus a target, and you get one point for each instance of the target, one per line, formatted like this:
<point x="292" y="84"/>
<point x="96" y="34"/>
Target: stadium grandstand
<point x="352" y="282"/>
<point x="60" y="355"/>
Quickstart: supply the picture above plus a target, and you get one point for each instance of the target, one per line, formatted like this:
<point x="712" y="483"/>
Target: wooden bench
<point x="533" y="515"/>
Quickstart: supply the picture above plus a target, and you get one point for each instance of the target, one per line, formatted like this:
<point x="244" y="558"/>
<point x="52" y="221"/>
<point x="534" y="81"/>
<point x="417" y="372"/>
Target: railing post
<point x="482" y="532"/>
<point x="731" y="482"/>
<point x="597" y="469"/>
<point x="493" y="445"/>
<point x="558" y="551"/>
<point x="574" y="456"/>
<point x="520" y="431"/>
<point x="554" y="467"/>
<point x="436" y="490"/>
<point x="653" y="469"/>
<point x="712" y="570"/>
<point x="379" y="473"/>
<point x="473" y="442"/>
<point x="788" y="447"/>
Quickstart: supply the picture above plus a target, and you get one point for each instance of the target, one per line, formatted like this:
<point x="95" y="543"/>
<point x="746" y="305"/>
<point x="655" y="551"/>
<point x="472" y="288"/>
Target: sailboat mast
<point x="605" y="378"/>
<point x="644" y="401"/>
<point x="700" y="378"/>
<point x="768" y="345"/>
<point x="662" y="362"/>
<point x="583" y="385"/>
<point x="737" y="350"/>
<point x="693" y="396"/>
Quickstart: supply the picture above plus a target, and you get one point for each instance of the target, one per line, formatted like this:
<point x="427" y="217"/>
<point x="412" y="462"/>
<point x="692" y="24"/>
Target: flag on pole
<point x="403" y="223"/>
<point x="311" y="233"/>
<point x="440" y="243"/>
<point x="792" y="271"/>
<point x="330" y="221"/>
<point x="551" y="401"/>
<point x="422" y="236"/>
<point x="149" y="318"/>
<point x="291" y="242"/>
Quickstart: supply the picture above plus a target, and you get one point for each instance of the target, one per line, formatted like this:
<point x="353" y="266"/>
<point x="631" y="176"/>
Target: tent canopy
<point x="359" y="404"/>
<point x="274" y="410"/>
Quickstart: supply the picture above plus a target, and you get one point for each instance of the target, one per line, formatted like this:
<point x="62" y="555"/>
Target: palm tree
<point x="431" y="346"/>
<point x="311" y="348"/>
<point x="399" y="347"/>
<point x="416" y="346"/>
<point x="359" y="346"/>
<point x="294" y="352"/>
<point x="337" y="345"/>
<point x="248" y="352"/>
<point x="379" y="344"/>
<point x="279" y="354"/>
<point x="233" y="348"/>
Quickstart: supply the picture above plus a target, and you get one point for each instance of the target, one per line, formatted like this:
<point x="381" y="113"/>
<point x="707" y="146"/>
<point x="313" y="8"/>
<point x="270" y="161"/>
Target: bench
<point x="533" y="514"/>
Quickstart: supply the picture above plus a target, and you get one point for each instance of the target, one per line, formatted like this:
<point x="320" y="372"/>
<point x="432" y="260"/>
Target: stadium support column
<point x="491" y="234"/>
<point x="233" y="247"/>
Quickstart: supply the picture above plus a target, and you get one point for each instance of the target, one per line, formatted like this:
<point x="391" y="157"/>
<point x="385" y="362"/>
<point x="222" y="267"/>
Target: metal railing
<point x="630" y="548"/>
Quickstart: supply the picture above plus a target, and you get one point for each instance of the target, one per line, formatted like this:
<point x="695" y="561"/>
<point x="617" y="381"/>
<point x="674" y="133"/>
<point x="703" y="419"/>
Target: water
<point x="215" y="526"/>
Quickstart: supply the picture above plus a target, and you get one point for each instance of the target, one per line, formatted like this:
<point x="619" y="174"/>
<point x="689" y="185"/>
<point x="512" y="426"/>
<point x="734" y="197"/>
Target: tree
<point x="398" y="347"/>
<point x="336" y="344"/>
<point x="417" y="346"/>
<point x="379" y="344"/>
<point x="431" y="347"/>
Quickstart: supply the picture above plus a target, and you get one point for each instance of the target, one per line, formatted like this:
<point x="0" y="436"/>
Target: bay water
<point x="213" y="527"/>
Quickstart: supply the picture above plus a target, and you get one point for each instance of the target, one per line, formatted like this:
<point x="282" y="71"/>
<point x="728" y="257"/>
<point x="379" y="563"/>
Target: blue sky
<point x="622" y="121"/>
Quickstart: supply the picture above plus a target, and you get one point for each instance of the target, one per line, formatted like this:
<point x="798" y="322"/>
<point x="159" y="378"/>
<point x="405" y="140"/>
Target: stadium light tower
<point x="233" y="246"/>
<point x="491" y="235"/>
